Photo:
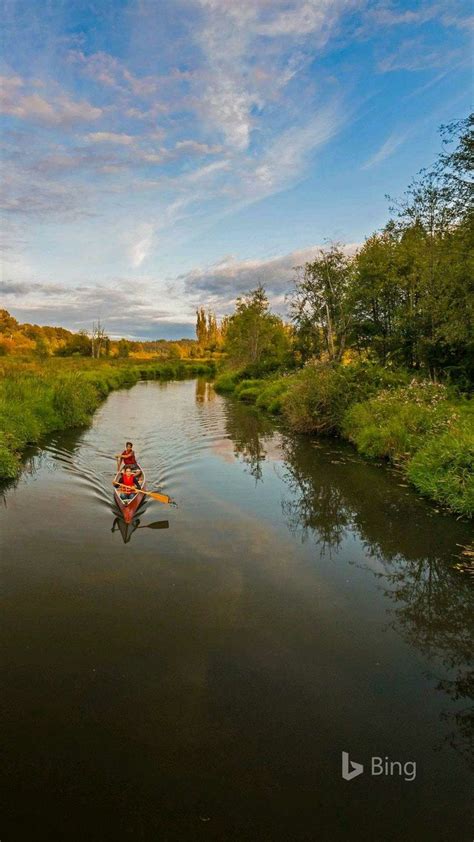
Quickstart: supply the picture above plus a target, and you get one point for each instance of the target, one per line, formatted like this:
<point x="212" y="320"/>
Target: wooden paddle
<point x="162" y="498"/>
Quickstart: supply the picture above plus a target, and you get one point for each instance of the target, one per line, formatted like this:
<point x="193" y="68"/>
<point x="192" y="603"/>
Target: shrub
<point x="227" y="381"/>
<point x="443" y="469"/>
<point x="319" y="396"/>
<point x="272" y="397"/>
<point x="253" y="383"/>
<point x="393" y="424"/>
<point x="249" y="394"/>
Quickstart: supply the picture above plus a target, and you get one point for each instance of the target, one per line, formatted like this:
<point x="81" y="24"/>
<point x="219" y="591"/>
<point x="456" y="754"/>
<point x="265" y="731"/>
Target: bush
<point x="249" y="394"/>
<point x="443" y="469"/>
<point x="244" y="385"/>
<point x="319" y="396"/>
<point x="272" y="397"/>
<point x="393" y="424"/>
<point x="227" y="381"/>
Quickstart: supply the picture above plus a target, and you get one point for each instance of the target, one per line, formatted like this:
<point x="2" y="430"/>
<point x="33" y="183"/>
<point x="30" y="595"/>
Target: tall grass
<point x="429" y="434"/>
<point x="38" y="398"/>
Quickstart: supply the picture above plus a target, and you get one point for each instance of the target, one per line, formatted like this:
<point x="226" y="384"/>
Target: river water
<point x="198" y="674"/>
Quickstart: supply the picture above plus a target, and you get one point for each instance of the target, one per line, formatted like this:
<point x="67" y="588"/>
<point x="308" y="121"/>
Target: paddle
<point x="162" y="498"/>
<point x="157" y="524"/>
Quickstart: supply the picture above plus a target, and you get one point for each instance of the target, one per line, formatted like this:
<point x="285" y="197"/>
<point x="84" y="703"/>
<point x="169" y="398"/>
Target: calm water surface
<point x="198" y="674"/>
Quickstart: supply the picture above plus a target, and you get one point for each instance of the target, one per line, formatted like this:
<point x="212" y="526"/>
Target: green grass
<point x="266" y="393"/>
<point x="227" y="381"/>
<point x="424" y="430"/>
<point x="272" y="396"/>
<point x="37" y="398"/>
<point x="443" y="469"/>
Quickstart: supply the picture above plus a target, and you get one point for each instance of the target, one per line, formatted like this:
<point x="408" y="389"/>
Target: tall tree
<point x="201" y="327"/>
<point x="212" y="331"/>
<point x="98" y="338"/>
<point x="319" y="305"/>
<point x="255" y="337"/>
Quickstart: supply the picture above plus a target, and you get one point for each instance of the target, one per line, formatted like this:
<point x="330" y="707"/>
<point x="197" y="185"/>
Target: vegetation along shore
<point x="40" y="396"/>
<point x="380" y="346"/>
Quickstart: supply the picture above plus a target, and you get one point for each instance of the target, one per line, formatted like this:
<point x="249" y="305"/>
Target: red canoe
<point x="129" y="507"/>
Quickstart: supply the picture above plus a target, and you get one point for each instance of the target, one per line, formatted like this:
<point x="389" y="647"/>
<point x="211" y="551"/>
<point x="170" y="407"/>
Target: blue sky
<point x="161" y="155"/>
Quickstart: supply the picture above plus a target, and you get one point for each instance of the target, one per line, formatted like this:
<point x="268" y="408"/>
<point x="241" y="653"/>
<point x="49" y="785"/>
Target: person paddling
<point x="128" y="459"/>
<point x="128" y="484"/>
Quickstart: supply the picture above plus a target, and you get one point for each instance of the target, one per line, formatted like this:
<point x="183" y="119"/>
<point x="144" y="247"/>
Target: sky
<point x="158" y="155"/>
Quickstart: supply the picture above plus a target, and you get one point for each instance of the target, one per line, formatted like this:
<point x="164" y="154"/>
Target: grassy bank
<point x="425" y="429"/>
<point x="37" y="398"/>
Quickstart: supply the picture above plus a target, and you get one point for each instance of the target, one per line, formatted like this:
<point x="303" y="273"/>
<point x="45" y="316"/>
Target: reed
<point x="40" y="397"/>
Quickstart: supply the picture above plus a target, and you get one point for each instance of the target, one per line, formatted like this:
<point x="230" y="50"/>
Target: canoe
<point x="129" y="507"/>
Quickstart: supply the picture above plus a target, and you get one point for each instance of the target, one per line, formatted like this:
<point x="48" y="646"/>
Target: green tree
<point x="320" y="303"/>
<point x="375" y="295"/>
<point x="254" y="337"/>
<point x="123" y="348"/>
<point x="77" y="345"/>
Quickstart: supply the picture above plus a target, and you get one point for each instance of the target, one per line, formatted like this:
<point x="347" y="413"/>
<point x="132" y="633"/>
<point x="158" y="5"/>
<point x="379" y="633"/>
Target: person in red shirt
<point x="130" y="481"/>
<point x="128" y="459"/>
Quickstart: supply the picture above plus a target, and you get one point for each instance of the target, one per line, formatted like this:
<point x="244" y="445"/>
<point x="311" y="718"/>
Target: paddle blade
<point x="162" y="498"/>
<point x="158" y="524"/>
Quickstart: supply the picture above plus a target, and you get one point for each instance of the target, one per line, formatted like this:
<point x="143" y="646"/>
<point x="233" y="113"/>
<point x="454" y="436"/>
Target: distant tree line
<point x="43" y="341"/>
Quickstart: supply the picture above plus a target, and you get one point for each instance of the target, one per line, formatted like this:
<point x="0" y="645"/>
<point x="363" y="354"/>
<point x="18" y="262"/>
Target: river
<point x="198" y="674"/>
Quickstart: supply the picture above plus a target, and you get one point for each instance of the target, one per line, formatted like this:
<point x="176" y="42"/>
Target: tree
<point x="123" y="348"/>
<point x="201" y="327"/>
<point x="78" y="345"/>
<point x="319" y="305"/>
<point x="212" y="331"/>
<point x="255" y="337"/>
<point x="375" y="295"/>
<point x="8" y="324"/>
<point x="98" y="339"/>
<point x="42" y="349"/>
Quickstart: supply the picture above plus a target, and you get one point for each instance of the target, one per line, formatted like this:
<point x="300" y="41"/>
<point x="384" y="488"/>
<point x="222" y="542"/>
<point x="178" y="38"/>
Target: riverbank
<point x="41" y="397"/>
<point x="425" y="429"/>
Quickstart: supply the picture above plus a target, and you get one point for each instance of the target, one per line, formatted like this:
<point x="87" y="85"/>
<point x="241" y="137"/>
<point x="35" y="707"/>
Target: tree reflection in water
<point x="249" y="431"/>
<point x="334" y="493"/>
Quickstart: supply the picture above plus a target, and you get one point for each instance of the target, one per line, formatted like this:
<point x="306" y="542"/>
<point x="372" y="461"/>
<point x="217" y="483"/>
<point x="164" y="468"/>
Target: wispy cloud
<point x="223" y="281"/>
<point x="57" y="110"/>
<point x="388" y="147"/>
<point x="140" y="145"/>
<point x="140" y="247"/>
<point x="416" y="54"/>
<point x="118" y="138"/>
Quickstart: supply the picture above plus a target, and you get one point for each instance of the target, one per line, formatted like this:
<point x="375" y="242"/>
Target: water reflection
<point x="127" y="529"/>
<point x="250" y="432"/>
<point x="204" y="391"/>
<point x="431" y="604"/>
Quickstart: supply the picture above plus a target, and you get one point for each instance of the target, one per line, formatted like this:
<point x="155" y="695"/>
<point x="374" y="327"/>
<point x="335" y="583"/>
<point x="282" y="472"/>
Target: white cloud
<point x="57" y="110"/>
<point x="141" y="246"/>
<point x="220" y="283"/>
<point x="111" y="137"/>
